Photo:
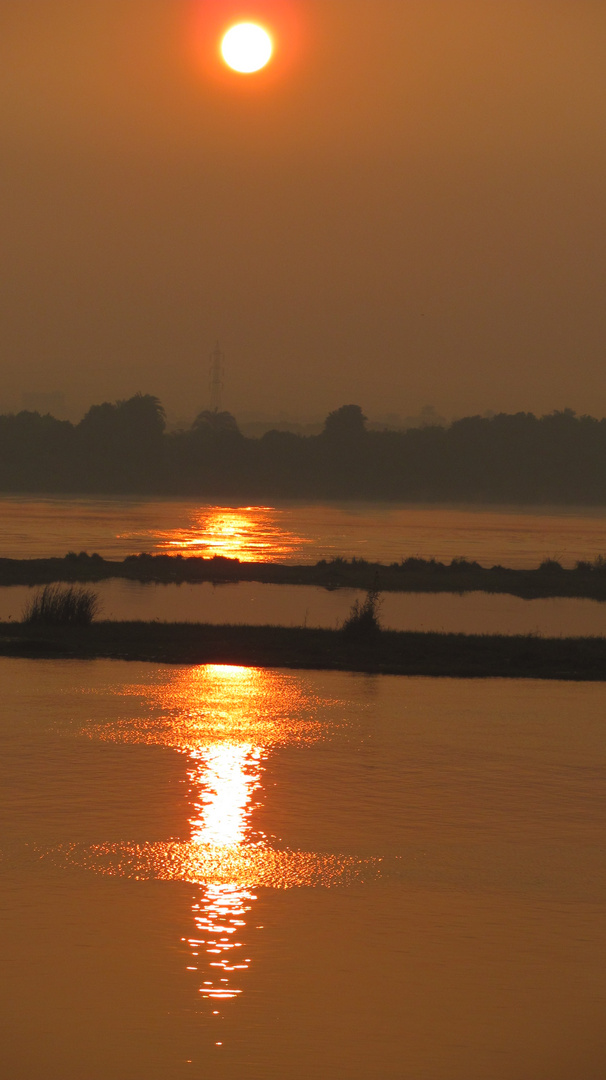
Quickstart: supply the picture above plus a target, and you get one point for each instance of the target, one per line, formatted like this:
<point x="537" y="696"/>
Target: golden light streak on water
<point x="226" y="719"/>
<point x="227" y="776"/>
<point x="243" y="866"/>
<point x="211" y="704"/>
<point x="251" y="534"/>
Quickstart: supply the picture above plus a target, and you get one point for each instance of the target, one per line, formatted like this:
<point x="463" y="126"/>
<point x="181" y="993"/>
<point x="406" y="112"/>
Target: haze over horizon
<point x="411" y="211"/>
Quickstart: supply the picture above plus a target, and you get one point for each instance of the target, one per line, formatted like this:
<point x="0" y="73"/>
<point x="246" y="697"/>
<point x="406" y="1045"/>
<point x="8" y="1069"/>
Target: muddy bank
<point x="391" y="652"/>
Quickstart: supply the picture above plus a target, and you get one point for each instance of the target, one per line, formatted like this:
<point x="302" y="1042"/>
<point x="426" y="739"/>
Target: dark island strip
<point x="586" y="580"/>
<point x="388" y="653"/>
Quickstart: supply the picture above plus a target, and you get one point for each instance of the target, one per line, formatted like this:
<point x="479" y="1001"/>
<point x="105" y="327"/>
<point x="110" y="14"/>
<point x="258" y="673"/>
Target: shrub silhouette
<point x="61" y="605"/>
<point x="347" y="423"/>
<point x="362" y="623"/>
<point x="550" y="566"/>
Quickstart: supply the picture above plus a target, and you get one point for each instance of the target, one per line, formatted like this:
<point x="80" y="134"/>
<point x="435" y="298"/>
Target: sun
<point x="246" y="48"/>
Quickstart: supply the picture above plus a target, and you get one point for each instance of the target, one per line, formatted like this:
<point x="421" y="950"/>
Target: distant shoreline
<point x="586" y="581"/>
<point x="390" y="653"/>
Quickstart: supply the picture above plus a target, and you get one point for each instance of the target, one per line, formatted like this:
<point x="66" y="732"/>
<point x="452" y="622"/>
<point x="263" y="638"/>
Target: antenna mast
<point x="217" y="378"/>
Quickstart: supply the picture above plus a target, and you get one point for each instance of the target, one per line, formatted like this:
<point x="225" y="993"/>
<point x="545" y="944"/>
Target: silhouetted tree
<point x="123" y="447"/>
<point x="141" y="417"/>
<point x="345" y="423"/>
<point x="143" y="414"/>
<point x="213" y="422"/>
<point x="123" y="443"/>
<point x="36" y="452"/>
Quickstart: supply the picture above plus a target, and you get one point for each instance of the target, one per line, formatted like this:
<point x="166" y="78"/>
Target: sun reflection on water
<point x="226" y="720"/>
<point x="215" y="704"/>
<point x="249" y="533"/>
<point x="225" y="777"/>
<point x="219" y="915"/>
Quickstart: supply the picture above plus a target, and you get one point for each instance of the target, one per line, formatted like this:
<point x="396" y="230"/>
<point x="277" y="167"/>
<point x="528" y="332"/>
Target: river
<point x="256" y="604"/>
<point x="32" y="527"/>
<point x="223" y="872"/>
<point x="302" y="533"/>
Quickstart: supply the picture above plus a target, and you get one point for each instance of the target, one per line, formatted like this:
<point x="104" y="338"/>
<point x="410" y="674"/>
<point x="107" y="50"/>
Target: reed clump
<point x="362" y="623"/>
<point x="61" y="605"/>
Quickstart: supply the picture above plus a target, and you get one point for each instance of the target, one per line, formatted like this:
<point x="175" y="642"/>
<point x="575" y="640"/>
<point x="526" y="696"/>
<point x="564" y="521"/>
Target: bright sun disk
<point x="247" y="47"/>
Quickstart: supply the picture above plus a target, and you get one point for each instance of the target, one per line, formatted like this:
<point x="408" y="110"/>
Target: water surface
<point x="256" y="604"/>
<point x="301" y="532"/>
<point x="218" y="872"/>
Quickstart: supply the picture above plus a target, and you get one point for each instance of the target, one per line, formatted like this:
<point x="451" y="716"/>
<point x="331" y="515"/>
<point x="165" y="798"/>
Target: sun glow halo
<point x="247" y="48"/>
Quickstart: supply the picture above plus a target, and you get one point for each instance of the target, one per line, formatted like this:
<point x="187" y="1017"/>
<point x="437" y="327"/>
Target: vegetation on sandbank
<point x="550" y="579"/>
<point x="57" y="605"/>
<point x="388" y="652"/>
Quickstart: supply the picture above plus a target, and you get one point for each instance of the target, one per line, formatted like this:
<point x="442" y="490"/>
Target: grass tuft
<point x="362" y="623"/>
<point x="60" y="605"/>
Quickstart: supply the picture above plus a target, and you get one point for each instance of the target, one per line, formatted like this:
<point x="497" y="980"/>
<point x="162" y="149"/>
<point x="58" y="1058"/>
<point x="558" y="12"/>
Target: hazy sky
<point x="409" y="208"/>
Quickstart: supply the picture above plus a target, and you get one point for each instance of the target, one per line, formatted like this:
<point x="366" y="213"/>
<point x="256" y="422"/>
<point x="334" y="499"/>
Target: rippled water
<point x="221" y="872"/>
<point x="302" y="533"/>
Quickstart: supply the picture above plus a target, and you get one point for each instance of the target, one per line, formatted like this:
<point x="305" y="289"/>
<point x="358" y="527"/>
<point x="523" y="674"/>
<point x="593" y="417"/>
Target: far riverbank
<point x="587" y="580"/>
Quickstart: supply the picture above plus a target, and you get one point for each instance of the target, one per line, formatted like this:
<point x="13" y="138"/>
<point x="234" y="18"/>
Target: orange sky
<point x="409" y="207"/>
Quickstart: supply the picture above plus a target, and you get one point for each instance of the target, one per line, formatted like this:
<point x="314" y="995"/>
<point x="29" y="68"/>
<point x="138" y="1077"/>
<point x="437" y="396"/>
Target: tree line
<point x="125" y="448"/>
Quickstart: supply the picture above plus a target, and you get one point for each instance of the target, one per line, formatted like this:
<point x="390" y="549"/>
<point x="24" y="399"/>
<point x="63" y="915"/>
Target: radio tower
<point x="217" y="378"/>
